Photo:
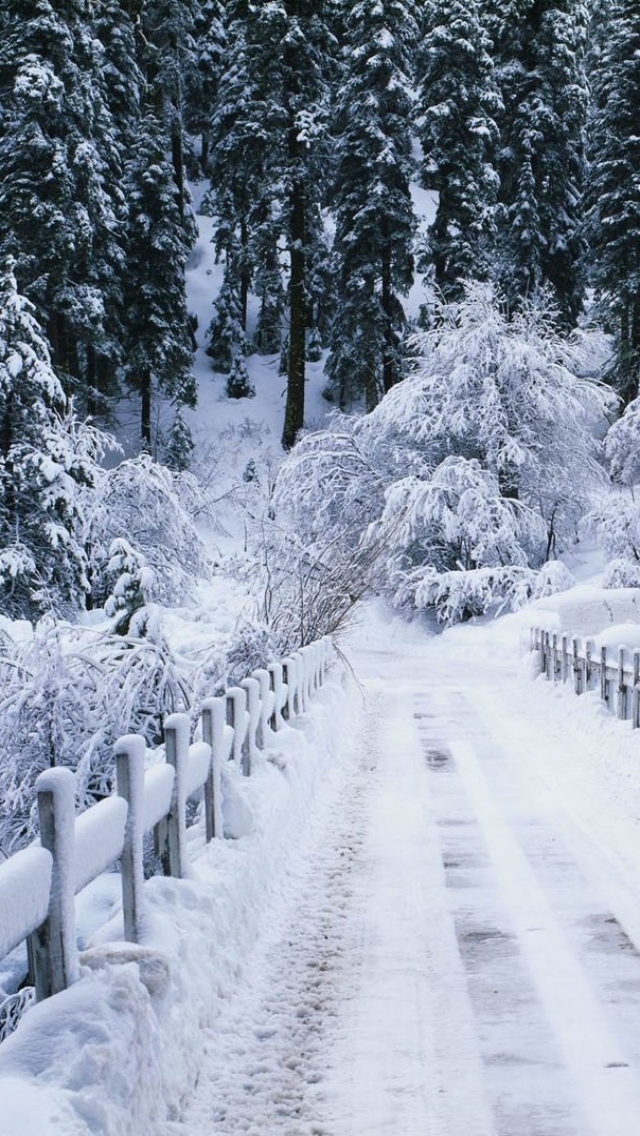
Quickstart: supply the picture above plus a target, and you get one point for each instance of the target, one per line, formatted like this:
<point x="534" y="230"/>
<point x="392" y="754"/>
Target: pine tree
<point x="44" y="456"/>
<point x="159" y="343"/>
<point x="374" y="215"/>
<point x="614" y="189"/>
<point x="203" y="72"/>
<point x="458" y="102"/>
<point x="60" y="195"/>
<point x="540" y="53"/>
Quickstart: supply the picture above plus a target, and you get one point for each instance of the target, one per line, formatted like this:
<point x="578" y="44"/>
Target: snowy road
<point x="453" y="953"/>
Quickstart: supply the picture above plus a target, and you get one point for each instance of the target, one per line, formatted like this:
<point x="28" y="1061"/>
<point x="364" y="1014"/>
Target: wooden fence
<point x="38" y="885"/>
<point x="615" y="674"/>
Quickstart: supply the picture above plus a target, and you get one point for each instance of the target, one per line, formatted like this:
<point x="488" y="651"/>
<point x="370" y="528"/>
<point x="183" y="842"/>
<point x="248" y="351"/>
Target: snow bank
<point x="116" y="1054"/>
<point x="586" y="610"/>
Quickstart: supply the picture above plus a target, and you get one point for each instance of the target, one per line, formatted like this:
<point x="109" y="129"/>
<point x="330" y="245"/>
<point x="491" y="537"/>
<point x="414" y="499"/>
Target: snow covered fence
<point x="617" y="676"/>
<point x="38" y="885"/>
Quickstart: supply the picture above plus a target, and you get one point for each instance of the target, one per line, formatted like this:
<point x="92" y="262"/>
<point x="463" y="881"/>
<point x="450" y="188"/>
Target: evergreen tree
<point x="60" y="173"/>
<point x="179" y="447"/>
<point x="458" y="101"/>
<point x="614" y="189"/>
<point x="540" y="50"/>
<point x="374" y="215"/>
<point x="159" y="343"/>
<point x="44" y="456"/>
<point x="203" y="72"/>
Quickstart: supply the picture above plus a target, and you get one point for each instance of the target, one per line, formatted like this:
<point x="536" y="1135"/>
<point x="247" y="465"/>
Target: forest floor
<point x="458" y="951"/>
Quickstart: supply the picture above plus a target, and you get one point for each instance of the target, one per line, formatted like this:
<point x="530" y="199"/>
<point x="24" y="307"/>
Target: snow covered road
<point x="455" y="950"/>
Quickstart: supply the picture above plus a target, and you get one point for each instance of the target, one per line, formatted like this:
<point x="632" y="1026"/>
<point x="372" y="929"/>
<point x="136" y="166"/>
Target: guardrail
<point x="617" y="678"/>
<point x="38" y="885"/>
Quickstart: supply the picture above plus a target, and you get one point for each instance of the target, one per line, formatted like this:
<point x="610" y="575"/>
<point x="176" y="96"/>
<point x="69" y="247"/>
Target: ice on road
<point x="455" y="950"/>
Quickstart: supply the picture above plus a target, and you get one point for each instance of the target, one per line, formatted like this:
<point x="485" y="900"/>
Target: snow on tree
<point x="159" y="355"/>
<point x="614" y="189"/>
<point x="483" y="458"/>
<point x="203" y="72"/>
<point x="239" y="384"/>
<point x="371" y="197"/>
<point x="540" y="67"/>
<point x="153" y="509"/>
<point x="458" y="101"/>
<point x="131" y="578"/>
<point x="60" y="194"/>
<point x="179" y="446"/>
<point x="45" y="457"/>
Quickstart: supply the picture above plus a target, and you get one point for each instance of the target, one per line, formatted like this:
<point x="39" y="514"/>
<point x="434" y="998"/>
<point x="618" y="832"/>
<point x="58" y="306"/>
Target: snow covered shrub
<point x="153" y="509"/>
<point x="482" y="460"/>
<point x="68" y="694"/>
<point x="46" y="455"/>
<point x="179" y="446"/>
<point x="130" y="579"/>
<point x="238" y="383"/>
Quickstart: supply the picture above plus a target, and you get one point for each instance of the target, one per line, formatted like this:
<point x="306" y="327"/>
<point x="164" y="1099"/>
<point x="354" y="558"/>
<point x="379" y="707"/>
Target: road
<point x="457" y="954"/>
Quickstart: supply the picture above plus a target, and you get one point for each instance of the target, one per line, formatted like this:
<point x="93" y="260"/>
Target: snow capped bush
<point x="482" y="461"/>
<point x="152" y="508"/>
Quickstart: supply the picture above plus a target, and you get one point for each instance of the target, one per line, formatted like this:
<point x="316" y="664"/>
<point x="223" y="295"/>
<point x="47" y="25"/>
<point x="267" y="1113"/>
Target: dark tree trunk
<point x="294" y="413"/>
<point x="145" y="409"/>
<point x="388" y="361"/>
<point x="245" y="275"/>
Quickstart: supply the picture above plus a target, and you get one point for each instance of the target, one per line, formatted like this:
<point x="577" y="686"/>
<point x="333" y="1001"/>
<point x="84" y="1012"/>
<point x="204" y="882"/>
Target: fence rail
<point x="38" y="885"/>
<point x="616" y="675"/>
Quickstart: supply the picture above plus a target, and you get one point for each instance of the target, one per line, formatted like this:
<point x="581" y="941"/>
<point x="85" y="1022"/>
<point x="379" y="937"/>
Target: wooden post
<point x="263" y="678"/>
<point x="213" y="723"/>
<point x="577" y="669"/>
<point x="635" y="704"/>
<point x="604" y="684"/>
<point x="588" y="651"/>
<point x="564" y="666"/>
<point x="53" y="954"/>
<point x="543" y="658"/>
<point x="300" y="706"/>
<point x="622" y="690"/>
<point x="237" y="718"/>
<point x="172" y="835"/>
<point x="252" y="688"/>
<point x="290" y="670"/>
<point x="554" y="656"/>
<point x="129" y="755"/>
<point x="278" y="679"/>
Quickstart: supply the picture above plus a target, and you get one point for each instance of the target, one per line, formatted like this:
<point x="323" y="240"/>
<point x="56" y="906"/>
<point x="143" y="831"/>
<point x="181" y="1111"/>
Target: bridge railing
<point x="38" y="885"/>
<point x="615" y="674"/>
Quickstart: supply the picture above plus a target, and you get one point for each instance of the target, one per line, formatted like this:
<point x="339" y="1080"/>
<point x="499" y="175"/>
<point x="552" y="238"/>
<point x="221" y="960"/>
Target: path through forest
<point x="456" y="953"/>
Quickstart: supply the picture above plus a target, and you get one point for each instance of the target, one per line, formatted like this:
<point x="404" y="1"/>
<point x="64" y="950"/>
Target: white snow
<point x="25" y="884"/>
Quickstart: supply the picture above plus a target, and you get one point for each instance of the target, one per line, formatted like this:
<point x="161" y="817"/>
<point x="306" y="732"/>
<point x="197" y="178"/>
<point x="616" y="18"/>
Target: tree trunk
<point x="388" y="360"/>
<point x="145" y="410"/>
<point x="245" y="275"/>
<point x="294" y="413"/>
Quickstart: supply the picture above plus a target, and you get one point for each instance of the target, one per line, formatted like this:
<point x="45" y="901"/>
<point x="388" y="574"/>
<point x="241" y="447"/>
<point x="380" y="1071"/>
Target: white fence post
<point x="252" y="688"/>
<point x="129" y="755"/>
<point x="213" y="723"/>
<point x="172" y="832"/>
<point x="289" y="671"/>
<point x="635" y="704"/>
<point x="237" y="718"/>
<point x="263" y="678"/>
<point x="622" y="690"/>
<point x="53" y="953"/>
<point x="276" y="673"/>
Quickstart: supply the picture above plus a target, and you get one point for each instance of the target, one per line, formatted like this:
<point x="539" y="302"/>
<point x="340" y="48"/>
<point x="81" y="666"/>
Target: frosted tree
<point x="371" y="197"/>
<point x="614" y="190"/>
<point x="44" y="458"/>
<point x="458" y="103"/>
<point x="203" y="72"/>
<point x="482" y="460"/>
<point x="540" y="67"/>
<point x="159" y="354"/>
<point x="60" y="195"/>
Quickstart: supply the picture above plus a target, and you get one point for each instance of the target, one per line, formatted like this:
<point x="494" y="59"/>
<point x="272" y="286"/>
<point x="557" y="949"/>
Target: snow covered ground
<point x="432" y="927"/>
